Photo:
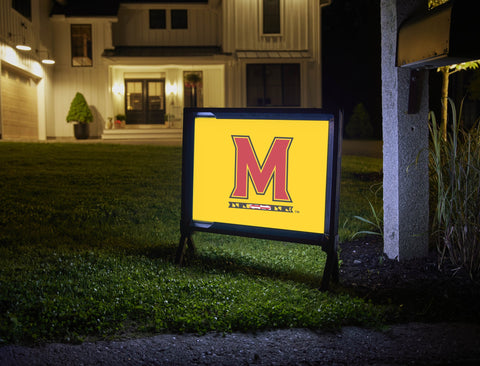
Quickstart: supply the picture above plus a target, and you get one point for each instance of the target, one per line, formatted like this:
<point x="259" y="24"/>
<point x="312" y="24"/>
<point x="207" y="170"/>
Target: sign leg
<point x="331" y="271"/>
<point x="186" y="242"/>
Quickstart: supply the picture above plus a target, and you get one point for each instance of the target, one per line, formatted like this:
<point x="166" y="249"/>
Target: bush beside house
<point x="359" y="126"/>
<point x="81" y="115"/>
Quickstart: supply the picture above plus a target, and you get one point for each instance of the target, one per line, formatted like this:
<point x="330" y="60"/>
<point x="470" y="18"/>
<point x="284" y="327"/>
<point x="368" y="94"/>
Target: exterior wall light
<point x="172" y="88"/>
<point x="46" y="60"/>
<point x="22" y="44"/>
<point x="118" y="89"/>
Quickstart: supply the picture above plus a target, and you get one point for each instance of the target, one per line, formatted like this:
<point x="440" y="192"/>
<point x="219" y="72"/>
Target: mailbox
<point x="446" y="35"/>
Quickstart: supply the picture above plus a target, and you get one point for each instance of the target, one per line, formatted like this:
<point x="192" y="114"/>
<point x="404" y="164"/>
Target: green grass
<point x="361" y="184"/>
<point x="88" y="235"/>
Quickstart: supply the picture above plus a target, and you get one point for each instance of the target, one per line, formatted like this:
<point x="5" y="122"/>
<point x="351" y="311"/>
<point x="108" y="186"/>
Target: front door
<point x="145" y="101"/>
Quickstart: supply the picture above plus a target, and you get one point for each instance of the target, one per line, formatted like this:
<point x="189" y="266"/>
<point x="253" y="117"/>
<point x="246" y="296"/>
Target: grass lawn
<point x="88" y="234"/>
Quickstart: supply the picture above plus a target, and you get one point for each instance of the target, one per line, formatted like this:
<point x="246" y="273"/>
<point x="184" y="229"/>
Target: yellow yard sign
<point x="262" y="173"/>
<point x="268" y="173"/>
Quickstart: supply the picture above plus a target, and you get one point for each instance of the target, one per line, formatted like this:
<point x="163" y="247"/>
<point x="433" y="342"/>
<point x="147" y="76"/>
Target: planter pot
<point x="81" y="131"/>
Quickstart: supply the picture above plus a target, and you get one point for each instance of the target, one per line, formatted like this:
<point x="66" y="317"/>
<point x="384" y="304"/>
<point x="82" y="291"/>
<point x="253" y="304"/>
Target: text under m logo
<point x="273" y="169"/>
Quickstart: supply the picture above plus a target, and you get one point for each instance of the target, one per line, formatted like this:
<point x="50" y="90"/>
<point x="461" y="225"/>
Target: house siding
<point x="37" y="33"/>
<point x="233" y="27"/>
<point x="91" y="81"/>
<point x="300" y="23"/>
<point x="242" y="26"/>
<point x="133" y="28"/>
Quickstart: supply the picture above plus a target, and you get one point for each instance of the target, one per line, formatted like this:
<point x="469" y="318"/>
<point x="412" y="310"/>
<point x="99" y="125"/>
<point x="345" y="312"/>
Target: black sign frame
<point x="328" y="240"/>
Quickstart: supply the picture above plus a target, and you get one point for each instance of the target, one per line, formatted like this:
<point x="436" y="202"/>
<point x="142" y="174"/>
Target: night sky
<point x="351" y="58"/>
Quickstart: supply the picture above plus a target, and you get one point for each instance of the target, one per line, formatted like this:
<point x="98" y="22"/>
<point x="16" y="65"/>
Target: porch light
<point x="172" y="88"/>
<point x="118" y="88"/>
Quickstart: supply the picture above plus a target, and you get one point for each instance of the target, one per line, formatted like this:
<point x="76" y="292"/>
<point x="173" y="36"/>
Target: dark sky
<point x="351" y="57"/>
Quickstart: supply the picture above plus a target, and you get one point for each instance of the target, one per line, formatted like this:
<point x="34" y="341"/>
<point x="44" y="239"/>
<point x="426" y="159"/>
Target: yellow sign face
<point x="264" y="173"/>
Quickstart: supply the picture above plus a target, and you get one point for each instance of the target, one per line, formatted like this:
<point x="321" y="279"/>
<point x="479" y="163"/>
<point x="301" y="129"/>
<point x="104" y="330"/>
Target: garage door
<point x="18" y="105"/>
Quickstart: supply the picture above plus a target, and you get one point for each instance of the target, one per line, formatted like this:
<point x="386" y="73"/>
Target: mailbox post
<point x="442" y="37"/>
<point x="405" y="190"/>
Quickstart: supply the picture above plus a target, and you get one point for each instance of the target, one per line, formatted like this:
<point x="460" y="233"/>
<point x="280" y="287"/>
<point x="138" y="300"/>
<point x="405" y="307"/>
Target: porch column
<point x="405" y="137"/>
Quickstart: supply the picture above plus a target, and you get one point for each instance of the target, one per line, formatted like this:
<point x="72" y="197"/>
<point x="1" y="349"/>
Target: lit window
<point x="81" y="45"/>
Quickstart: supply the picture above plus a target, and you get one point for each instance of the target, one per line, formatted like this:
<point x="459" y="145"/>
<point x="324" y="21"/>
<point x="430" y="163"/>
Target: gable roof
<point x="85" y="8"/>
<point x="92" y="8"/>
<point x="163" y="51"/>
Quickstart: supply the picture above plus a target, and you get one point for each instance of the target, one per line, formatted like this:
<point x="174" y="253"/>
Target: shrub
<point x="79" y="110"/>
<point x="359" y="125"/>
<point x="455" y="166"/>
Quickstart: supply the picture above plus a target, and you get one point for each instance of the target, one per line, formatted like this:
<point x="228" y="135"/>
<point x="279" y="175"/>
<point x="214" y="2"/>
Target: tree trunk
<point x="444" y="98"/>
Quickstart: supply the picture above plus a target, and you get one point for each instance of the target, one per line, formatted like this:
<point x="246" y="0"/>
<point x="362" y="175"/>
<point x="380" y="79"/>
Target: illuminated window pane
<point x="81" y="40"/>
<point x="134" y="94"/>
<point x="156" y="95"/>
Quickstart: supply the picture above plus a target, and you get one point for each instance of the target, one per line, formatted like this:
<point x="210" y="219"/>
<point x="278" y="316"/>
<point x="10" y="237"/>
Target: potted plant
<point x="120" y="120"/>
<point x="81" y="115"/>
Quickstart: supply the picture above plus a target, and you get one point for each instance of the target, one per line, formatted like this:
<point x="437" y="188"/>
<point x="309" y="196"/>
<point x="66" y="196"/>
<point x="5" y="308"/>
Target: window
<point x="273" y="85"/>
<point x="192" y="89"/>
<point x="134" y="95"/>
<point x="158" y="19"/>
<point x="81" y="44"/>
<point x="24" y="7"/>
<point x="179" y="19"/>
<point x="271" y="17"/>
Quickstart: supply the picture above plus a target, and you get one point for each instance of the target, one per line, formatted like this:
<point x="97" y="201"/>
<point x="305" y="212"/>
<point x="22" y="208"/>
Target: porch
<point x="144" y="133"/>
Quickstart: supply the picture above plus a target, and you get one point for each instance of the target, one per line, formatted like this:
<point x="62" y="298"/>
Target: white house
<point x="148" y="60"/>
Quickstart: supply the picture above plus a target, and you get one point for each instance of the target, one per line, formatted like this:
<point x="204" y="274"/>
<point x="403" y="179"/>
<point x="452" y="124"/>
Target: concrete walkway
<point x="401" y="344"/>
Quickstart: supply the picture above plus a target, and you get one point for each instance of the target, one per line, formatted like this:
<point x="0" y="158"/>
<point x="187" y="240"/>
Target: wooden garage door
<point x="19" y="105"/>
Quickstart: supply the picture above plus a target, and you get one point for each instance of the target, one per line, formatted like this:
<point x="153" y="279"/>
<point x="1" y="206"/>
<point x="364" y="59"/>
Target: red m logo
<point x="274" y="168"/>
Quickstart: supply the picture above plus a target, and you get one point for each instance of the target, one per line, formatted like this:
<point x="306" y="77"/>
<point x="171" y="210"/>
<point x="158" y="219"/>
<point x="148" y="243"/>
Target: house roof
<point x="164" y="1"/>
<point x="274" y="54"/>
<point x="159" y="51"/>
<point x="85" y="8"/>
<point x="89" y="8"/>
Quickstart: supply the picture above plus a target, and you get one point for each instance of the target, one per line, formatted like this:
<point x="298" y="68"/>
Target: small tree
<point x="434" y="3"/>
<point x="79" y="110"/>
<point x="359" y="125"/>
<point x="446" y="72"/>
